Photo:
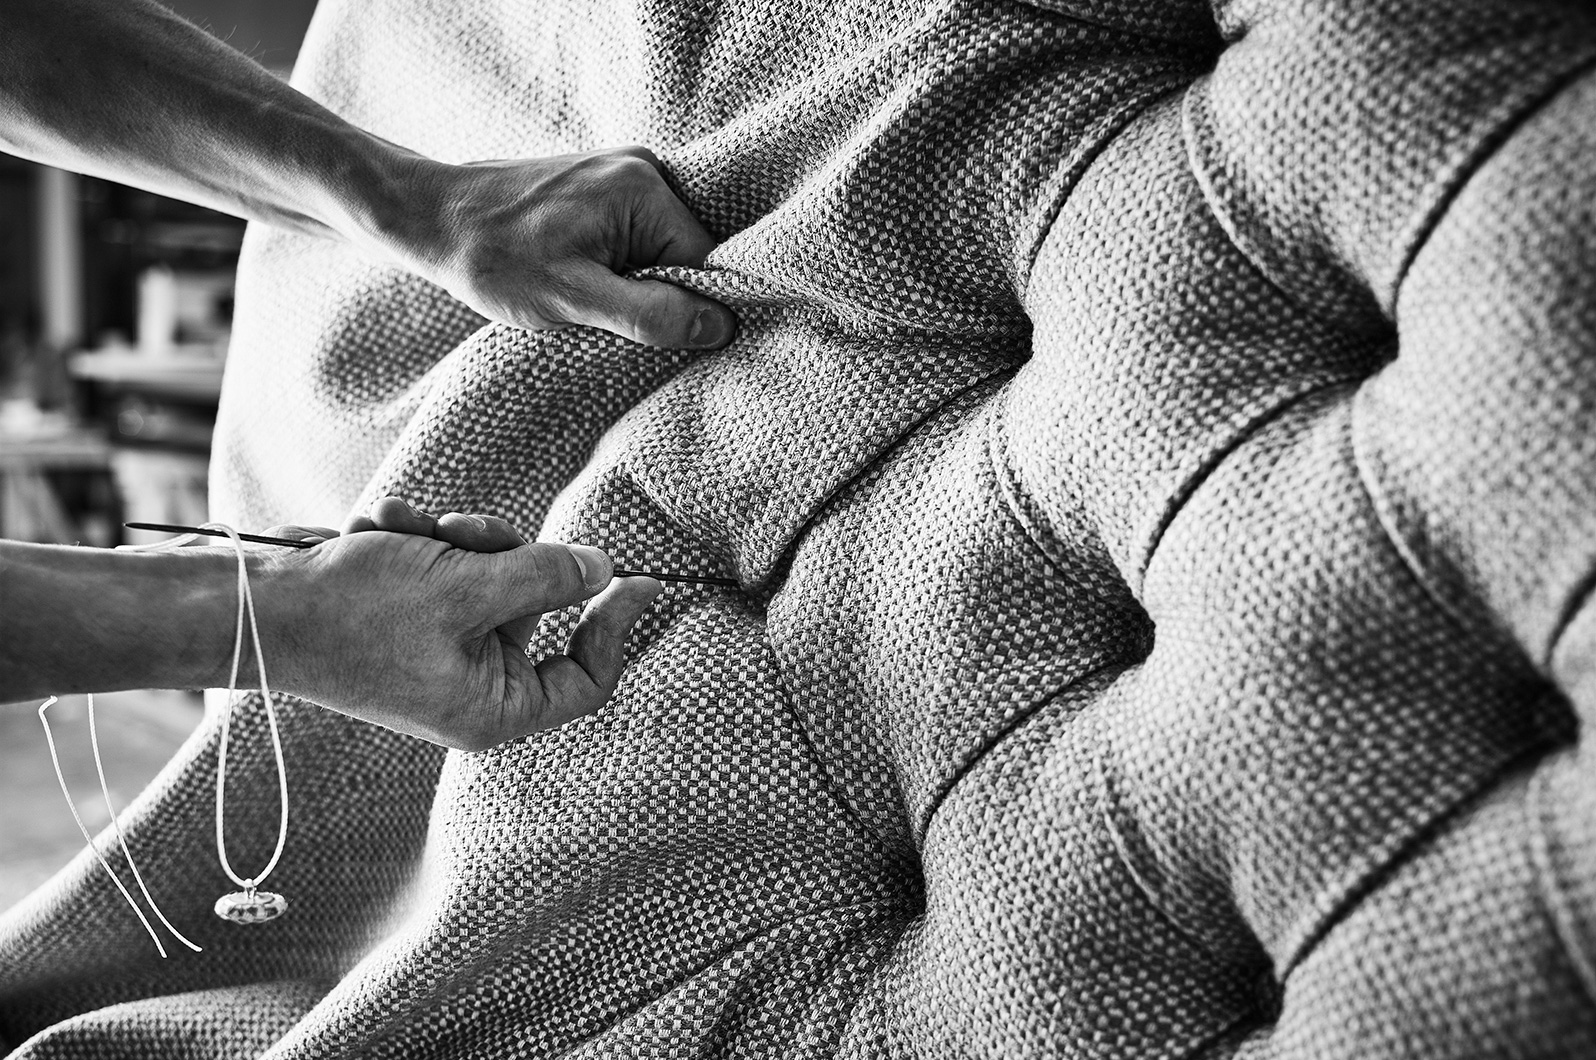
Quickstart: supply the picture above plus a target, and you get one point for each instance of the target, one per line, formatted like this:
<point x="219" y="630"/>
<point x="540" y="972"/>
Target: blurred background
<point x="115" y="311"/>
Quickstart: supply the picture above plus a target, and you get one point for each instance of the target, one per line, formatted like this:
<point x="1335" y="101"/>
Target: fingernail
<point x="594" y="563"/>
<point x="478" y="522"/>
<point x="711" y="328"/>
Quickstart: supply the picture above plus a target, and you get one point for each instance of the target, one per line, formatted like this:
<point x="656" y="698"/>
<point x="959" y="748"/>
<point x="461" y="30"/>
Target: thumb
<point x="538" y="577"/>
<point x="650" y="312"/>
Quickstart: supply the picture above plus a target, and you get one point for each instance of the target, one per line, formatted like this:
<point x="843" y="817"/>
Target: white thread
<point x="160" y="546"/>
<point x="246" y="602"/>
<point x="105" y="792"/>
<point x="106" y="865"/>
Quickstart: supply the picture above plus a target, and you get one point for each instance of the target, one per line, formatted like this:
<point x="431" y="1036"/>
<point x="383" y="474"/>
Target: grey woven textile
<point x="1159" y="461"/>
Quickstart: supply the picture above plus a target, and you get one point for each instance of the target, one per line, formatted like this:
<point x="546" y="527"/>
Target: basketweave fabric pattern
<point x="1157" y="462"/>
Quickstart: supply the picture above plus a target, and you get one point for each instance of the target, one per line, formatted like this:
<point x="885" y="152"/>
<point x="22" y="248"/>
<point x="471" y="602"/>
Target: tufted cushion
<point x="1157" y="464"/>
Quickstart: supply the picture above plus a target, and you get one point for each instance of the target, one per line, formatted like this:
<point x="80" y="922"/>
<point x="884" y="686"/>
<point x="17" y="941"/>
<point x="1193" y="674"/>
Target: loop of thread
<point x="246" y="603"/>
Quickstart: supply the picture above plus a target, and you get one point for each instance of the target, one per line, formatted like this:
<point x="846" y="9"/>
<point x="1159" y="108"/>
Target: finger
<point x="583" y="679"/>
<point x="358" y="523"/>
<point x="400" y="517"/>
<point x="650" y="312"/>
<point x="542" y="576"/>
<point x="521" y="629"/>
<point x="478" y="533"/>
<point x="295" y="532"/>
<point x="665" y="232"/>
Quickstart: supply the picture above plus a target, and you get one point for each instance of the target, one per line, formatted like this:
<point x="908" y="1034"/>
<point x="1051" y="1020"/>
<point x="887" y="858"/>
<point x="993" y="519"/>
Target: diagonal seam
<point x="1385" y="518"/>
<point x="1103" y="673"/>
<point x="1550" y="889"/>
<point x="1583" y="594"/>
<point x="1216" y="457"/>
<point x="1508" y="119"/>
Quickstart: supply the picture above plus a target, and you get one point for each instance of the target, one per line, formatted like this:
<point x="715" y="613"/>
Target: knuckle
<point x="503" y="529"/>
<point x="554" y="570"/>
<point x="639" y="152"/>
<point x="655" y="319"/>
<point x="606" y="617"/>
<point x="629" y="169"/>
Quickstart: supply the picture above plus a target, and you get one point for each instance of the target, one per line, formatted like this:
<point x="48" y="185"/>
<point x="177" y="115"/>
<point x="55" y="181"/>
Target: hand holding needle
<point x="432" y="627"/>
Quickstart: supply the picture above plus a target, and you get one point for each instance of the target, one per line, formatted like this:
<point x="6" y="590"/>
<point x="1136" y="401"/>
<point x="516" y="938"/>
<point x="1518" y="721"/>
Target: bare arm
<point x="85" y="619"/>
<point x="129" y="91"/>
<point x="422" y="630"/>
<point x="124" y="89"/>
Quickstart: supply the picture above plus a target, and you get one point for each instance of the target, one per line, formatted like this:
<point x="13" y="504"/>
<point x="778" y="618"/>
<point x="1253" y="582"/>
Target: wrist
<point x="391" y="205"/>
<point x="206" y="581"/>
<point x="285" y="594"/>
<point x="208" y="591"/>
<point x="161" y="620"/>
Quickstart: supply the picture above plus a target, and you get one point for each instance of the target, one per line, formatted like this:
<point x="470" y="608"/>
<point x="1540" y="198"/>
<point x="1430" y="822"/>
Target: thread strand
<point x="246" y="605"/>
<point x="55" y="760"/>
<point x="105" y="792"/>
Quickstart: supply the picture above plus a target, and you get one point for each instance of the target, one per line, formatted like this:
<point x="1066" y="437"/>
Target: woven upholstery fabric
<point x="1158" y="464"/>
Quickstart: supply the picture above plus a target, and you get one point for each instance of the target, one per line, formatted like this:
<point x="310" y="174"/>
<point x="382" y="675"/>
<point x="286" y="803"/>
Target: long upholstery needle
<point x="620" y="572"/>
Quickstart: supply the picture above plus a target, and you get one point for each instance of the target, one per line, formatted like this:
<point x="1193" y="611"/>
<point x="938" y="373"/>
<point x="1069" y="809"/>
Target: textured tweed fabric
<point x="1159" y="464"/>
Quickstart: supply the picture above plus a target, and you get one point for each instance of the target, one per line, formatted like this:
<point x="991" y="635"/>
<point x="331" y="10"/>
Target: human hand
<point x="538" y="243"/>
<point x="535" y="243"/>
<point x="421" y="625"/>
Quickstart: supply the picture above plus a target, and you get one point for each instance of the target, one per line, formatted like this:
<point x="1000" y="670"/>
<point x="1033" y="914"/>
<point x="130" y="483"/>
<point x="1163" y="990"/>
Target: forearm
<point x="92" y="620"/>
<point x="126" y="90"/>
